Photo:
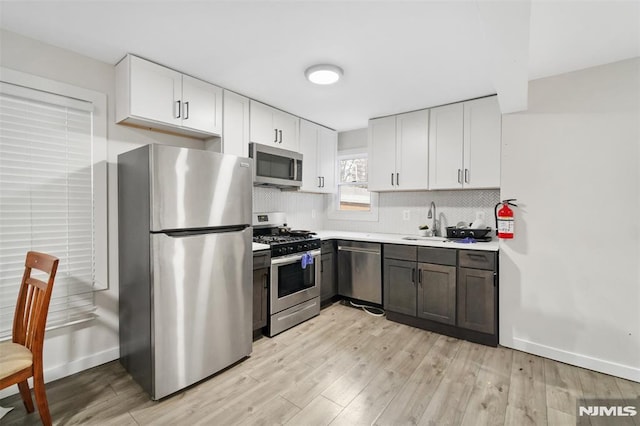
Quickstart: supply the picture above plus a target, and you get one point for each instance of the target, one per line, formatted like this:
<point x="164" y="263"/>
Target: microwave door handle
<point x="292" y="169"/>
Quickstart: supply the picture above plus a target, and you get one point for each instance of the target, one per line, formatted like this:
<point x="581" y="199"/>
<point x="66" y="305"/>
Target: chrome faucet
<point x="432" y="215"/>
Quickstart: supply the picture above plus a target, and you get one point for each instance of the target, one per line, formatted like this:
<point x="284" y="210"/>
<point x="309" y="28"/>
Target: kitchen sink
<point x="418" y="238"/>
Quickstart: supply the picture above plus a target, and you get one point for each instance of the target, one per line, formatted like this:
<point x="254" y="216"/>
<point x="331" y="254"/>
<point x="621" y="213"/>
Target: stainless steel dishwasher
<point x="360" y="271"/>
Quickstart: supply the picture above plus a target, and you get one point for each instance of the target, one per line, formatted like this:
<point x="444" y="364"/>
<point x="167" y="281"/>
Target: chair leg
<point x="41" y="399"/>
<point x="25" y="393"/>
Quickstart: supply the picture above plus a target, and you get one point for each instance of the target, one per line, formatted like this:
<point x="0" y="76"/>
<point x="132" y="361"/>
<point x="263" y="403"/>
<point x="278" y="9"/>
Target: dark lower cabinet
<point x="477" y="295"/>
<point x="399" y="285"/>
<point x="449" y="291"/>
<point x="328" y="281"/>
<point x="437" y="292"/>
<point x="261" y="263"/>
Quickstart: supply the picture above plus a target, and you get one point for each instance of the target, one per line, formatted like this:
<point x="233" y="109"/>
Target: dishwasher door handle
<point x="359" y="250"/>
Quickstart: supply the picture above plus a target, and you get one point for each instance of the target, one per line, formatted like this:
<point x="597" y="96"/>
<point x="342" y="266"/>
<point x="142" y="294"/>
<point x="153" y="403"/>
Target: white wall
<point x="570" y="280"/>
<point x="72" y="349"/>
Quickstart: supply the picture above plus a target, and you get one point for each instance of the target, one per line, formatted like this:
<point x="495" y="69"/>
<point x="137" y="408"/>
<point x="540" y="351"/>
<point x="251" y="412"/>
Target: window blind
<point x="46" y="199"/>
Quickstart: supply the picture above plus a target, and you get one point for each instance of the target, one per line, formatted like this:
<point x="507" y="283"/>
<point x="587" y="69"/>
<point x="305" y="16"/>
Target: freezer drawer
<point x="202" y="306"/>
<point x="360" y="271"/>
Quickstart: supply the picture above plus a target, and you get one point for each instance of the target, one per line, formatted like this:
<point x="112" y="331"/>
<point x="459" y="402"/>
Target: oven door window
<point x="292" y="278"/>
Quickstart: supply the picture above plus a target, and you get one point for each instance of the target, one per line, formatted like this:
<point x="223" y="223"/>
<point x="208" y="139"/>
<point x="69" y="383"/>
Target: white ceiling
<point x="397" y="56"/>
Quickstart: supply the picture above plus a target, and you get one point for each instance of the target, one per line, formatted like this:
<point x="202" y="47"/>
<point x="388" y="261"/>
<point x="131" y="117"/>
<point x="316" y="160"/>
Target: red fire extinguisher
<point x="504" y="219"/>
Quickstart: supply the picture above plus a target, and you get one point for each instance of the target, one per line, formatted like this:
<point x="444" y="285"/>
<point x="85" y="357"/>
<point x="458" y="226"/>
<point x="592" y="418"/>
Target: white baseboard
<point x="619" y="370"/>
<point x="73" y="367"/>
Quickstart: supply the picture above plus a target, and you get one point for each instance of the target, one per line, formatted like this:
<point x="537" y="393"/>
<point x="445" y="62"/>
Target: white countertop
<point x="492" y="245"/>
<point x="258" y="246"/>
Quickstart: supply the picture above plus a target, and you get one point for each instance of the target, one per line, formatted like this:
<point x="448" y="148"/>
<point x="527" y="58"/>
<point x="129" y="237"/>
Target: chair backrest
<point x="33" y="301"/>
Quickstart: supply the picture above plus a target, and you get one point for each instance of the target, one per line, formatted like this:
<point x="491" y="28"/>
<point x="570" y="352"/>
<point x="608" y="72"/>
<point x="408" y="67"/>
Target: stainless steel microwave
<point x="276" y="167"/>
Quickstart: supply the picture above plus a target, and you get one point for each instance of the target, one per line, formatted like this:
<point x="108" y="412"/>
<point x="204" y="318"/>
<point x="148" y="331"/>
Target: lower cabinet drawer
<point x="477" y="259"/>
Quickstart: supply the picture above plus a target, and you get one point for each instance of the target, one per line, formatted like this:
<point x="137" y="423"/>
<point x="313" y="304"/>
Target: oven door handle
<point x="293" y="258"/>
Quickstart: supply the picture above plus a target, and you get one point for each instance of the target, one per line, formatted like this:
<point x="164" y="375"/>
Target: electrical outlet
<point x="406" y="215"/>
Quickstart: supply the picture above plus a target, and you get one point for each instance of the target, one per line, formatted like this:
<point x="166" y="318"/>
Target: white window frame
<point x="99" y="140"/>
<point x="334" y="212"/>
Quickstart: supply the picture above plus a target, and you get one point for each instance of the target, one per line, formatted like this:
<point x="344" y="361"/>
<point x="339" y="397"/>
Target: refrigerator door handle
<point x="180" y="233"/>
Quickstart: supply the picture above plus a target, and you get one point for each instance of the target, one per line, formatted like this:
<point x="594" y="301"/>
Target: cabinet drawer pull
<point x="186" y="110"/>
<point x="459" y="176"/>
<point x="466" y="175"/>
<point x="177" y="109"/>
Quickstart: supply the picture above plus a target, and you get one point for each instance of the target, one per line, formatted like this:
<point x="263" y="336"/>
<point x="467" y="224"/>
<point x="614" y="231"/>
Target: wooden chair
<point x="22" y="357"/>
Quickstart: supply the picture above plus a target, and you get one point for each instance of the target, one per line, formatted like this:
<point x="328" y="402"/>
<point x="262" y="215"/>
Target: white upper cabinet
<point x="482" y="141"/>
<point x="398" y="152"/>
<point x="412" y="150"/>
<point x="318" y="146"/>
<point x="235" y="124"/>
<point x="382" y="154"/>
<point x="150" y="95"/>
<point x="464" y="145"/>
<point x="270" y="126"/>
<point x="445" y="147"/>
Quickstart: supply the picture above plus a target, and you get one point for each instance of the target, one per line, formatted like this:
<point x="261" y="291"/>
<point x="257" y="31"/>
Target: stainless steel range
<point x="294" y="293"/>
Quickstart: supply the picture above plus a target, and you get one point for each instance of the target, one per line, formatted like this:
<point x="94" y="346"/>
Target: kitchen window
<point x="52" y="192"/>
<point x="353" y="200"/>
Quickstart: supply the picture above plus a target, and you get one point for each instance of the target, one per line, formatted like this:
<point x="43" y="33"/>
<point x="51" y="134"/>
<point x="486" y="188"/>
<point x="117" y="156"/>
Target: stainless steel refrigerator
<point x="185" y="264"/>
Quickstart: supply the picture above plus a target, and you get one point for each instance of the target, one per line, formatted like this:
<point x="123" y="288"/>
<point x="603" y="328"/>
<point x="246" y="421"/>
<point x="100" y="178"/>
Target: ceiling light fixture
<point x="323" y="74"/>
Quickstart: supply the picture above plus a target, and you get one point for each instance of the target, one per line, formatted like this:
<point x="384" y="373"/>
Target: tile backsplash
<point x="308" y="211"/>
<point x="304" y="211"/>
<point x="451" y="207"/>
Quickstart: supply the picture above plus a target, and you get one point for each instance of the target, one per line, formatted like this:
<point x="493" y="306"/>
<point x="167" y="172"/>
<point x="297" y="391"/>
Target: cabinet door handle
<point x="398" y="179"/>
<point x="280" y="131"/>
<point x="319" y="182"/>
<point x="177" y="109"/>
<point x="413" y="275"/>
<point x="321" y="266"/>
<point x="323" y="181"/>
<point x="466" y="175"/>
<point x="420" y="277"/>
<point x="459" y="176"/>
<point x="276" y="139"/>
<point x="265" y="280"/>
<point x="186" y="110"/>
<point x="391" y="179"/>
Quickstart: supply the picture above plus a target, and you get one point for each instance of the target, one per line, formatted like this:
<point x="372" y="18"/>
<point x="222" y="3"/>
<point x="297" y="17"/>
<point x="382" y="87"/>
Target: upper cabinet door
<point x="261" y="119"/>
<point x="319" y="147"/>
<point x="235" y="124"/>
<point x="445" y="147"/>
<point x="201" y="105"/>
<point x="311" y="180"/>
<point x="155" y="92"/>
<point x="287" y="126"/>
<point x="327" y="159"/>
<point x="412" y="144"/>
<point x="382" y="154"/>
<point x="482" y="139"/>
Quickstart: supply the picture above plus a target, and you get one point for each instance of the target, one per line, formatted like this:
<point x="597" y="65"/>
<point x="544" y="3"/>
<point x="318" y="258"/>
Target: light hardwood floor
<point x="345" y="367"/>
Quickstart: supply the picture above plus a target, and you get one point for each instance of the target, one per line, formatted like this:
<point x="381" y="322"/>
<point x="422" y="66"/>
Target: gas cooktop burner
<point x="278" y="239"/>
<point x="282" y="245"/>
